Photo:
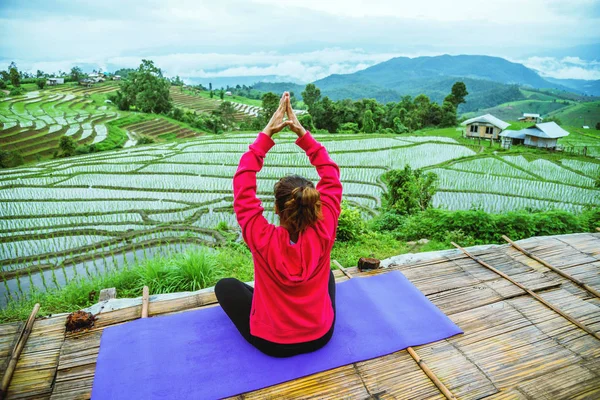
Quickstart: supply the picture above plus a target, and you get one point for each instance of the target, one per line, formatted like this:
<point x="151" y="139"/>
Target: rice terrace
<point x="463" y="242"/>
<point x="88" y="213"/>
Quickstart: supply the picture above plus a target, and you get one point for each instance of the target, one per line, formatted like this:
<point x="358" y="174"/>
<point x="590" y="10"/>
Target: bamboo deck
<point x="514" y="347"/>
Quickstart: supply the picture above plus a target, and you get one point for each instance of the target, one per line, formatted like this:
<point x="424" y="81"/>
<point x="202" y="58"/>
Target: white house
<point x="485" y="126"/>
<point x="586" y="127"/>
<point x="531" y="118"/>
<point x="55" y="81"/>
<point x="543" y="135"/>
<point x="228" y="93"/>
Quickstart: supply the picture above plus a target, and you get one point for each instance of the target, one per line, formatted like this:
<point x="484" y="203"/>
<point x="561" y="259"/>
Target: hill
<point x="590" y="88"/>
<point x="490" y="81"/>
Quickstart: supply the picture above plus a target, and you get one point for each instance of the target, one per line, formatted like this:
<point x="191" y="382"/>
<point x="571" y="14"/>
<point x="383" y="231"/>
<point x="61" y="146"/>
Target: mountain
<point x="590" y="88"/>
<point x="400" y="72"/>
<point x="489" y="80"/>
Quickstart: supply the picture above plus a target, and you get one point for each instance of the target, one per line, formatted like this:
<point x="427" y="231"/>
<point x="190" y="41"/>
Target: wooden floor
<point x="514" y="347"/>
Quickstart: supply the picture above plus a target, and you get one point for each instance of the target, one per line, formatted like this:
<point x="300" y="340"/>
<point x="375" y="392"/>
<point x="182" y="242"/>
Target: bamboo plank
<point x="573" y="381"/>
<point x="442" y="388"/>
<point x="510" y="394"/>
<point x="339" y="383"/>
<point x="396" y="376"/>
<point x="531" y="293"/>
<point x="145" y="302"/>
<point x="462" y="375"/>
<point x="553" y="268"/>
<point x="80" y="389"/>
<point x="16" y="353"/>
<point x="9" y="334"/>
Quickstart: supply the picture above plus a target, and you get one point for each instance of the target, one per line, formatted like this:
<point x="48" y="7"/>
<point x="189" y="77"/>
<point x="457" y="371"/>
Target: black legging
<point x="236" y="299"/>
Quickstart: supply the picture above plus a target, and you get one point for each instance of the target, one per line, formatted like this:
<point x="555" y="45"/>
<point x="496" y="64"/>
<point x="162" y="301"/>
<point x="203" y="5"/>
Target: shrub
<point x="409" y="191"/>
<point x="9" y="159"/>
<point x="4" y="86"/>
<point x="85" y="149"/>
<point x="145" y="140"/>
<point x="350" y="224"/>
<point x="41" y="83"/>
<point x="306" y="121"/>
<point x="16" y="91"/>
<point x="348" y="127"/>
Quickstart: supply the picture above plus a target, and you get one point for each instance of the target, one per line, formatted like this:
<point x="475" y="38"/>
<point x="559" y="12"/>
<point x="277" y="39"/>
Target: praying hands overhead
<point x="276" y="124"/>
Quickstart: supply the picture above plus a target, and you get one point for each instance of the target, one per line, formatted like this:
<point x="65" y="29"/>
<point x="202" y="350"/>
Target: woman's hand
<point x="276" y="124"/>
<point x="295" y="125"/>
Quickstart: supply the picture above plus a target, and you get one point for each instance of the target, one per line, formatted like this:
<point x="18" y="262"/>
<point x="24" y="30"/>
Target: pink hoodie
<point x="291" y="302"/>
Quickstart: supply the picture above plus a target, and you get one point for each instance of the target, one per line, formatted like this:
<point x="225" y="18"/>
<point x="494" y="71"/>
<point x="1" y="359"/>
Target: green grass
<point x="168" y="136"/>
<point x="580" y="114"/>
<point x="28" y="87"/>
<point x="194" y="269"/>
<point x="515" y="109"/>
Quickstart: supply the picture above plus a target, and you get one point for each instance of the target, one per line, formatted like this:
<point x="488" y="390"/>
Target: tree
<point x="146" y="89"/>
<point x="41" y="83"/>
<point x="177" y="81"/>
<point x="14" y="76"/>
<point x="368" y="125"/>
<point x="227" y="112"/>
<point x="210" y="86"/>
<point x="458" y="94"/>
<point x="409" y="191"/>
<point x="399" y="126"/>
<point x="76" y="74"/>
<point x="66" y="146"/>
<point x="222" y="94"/>
<point x="212" y="94"/>
<point x="327" y="117"/>
<point x="311" y="96"/>
<point x="307" y="122"/>
<point x="448" y="115"/>
<point x="40" y="74"/>
<point x="598" y="126"/>
<point x="270" y="103"/>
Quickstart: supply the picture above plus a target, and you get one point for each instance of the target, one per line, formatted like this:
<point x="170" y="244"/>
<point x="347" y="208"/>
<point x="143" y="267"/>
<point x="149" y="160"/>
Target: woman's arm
<point x="329" y="186"/>
<point x="248" y="208"/>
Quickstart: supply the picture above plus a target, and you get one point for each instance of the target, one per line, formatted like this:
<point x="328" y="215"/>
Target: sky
<point x="300" y="40"/>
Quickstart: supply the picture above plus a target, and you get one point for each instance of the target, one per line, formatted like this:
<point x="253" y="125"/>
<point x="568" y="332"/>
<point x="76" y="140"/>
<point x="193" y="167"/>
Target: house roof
<point x="513" y="134"/>
<point x="513" y="346"/>
<point x="546" y="130"/>
<point x="489" y="119"/>
<point x="531" y="115"/>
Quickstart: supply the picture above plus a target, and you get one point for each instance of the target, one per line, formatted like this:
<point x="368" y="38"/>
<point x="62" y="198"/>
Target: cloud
<point x="306" y="39"/>
<point x="305" y="66"/>
<point x="564" y="68"/>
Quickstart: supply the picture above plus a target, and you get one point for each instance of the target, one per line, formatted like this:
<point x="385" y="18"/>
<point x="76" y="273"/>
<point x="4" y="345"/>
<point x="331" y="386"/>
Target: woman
<point x="291" y="309"/>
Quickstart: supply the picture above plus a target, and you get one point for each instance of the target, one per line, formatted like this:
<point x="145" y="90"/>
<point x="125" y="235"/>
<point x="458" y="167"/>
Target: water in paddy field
<point x="10" y="289"/>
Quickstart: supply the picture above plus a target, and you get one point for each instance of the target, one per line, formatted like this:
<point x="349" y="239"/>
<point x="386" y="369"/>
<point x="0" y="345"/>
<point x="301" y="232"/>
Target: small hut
<point x="543" y="135"/>
<point x="485" y="127"/>
<point x="536" y="118"/>
<point x="55" y="81"/>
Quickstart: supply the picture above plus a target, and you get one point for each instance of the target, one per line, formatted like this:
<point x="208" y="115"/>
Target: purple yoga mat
<point x="200" y="354"/>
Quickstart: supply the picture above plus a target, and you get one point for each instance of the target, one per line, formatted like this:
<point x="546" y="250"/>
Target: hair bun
<point x="310" y="196"/>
